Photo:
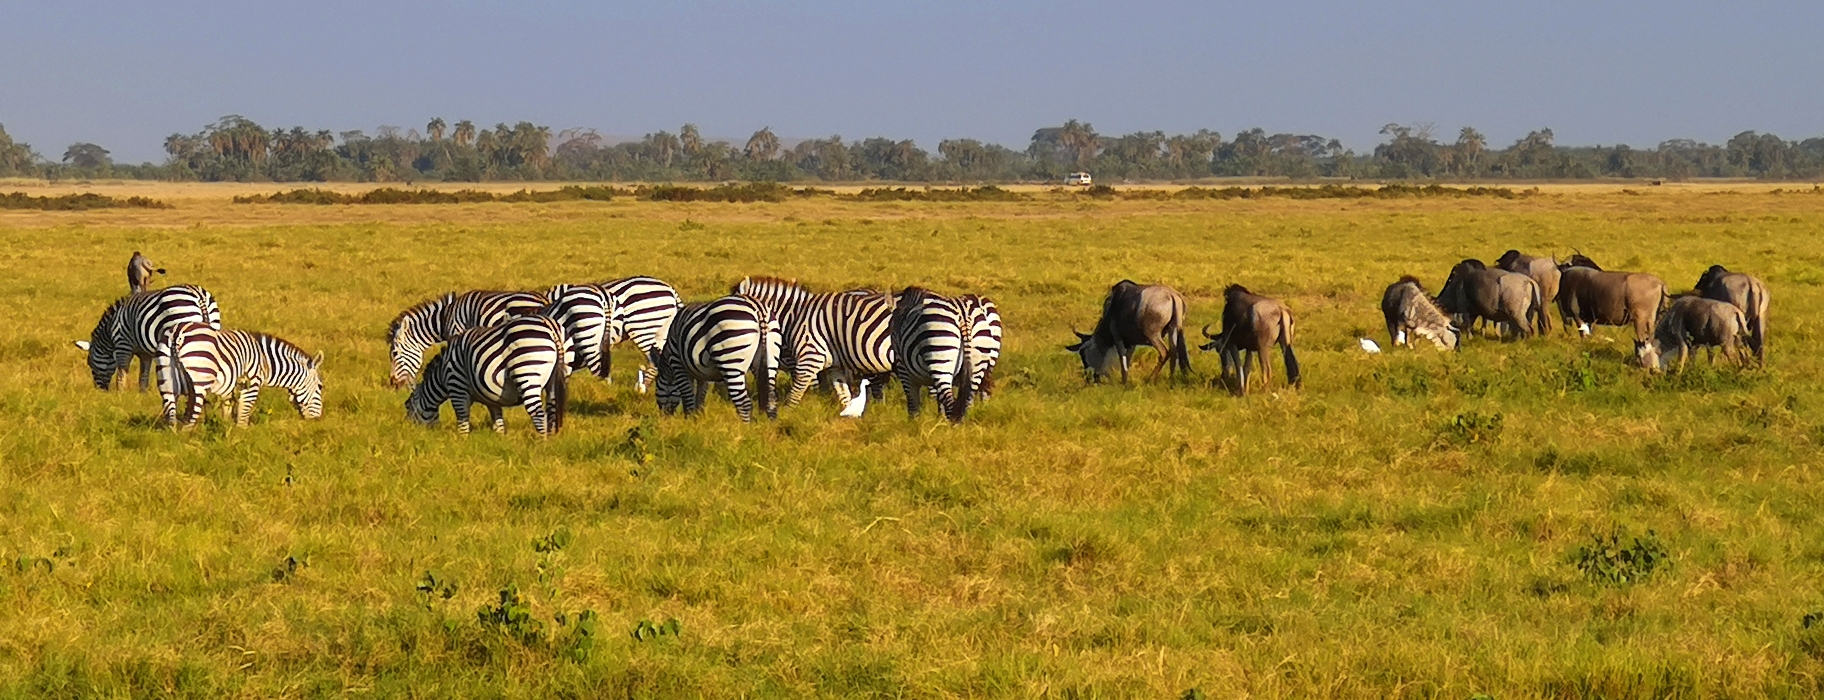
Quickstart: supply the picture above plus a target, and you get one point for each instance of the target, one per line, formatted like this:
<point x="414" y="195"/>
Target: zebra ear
<point x="316" y="361"/>
<point x="82" y="345"/>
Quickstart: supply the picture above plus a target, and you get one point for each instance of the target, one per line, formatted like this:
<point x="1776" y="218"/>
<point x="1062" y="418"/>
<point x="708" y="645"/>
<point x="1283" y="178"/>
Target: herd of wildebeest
<point x="507" y="348"/>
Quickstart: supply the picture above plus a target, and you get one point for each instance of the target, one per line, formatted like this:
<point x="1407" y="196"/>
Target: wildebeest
<point x="1134" y="315"/>
<point x="1510" y="299"/>
<point x="1694" y="321"/>
<point x="1252" y="325"/>
<point x="139" y="273"/>
<point x="1588" y="295"/>
<point x="1410" y="311"/>
<point x="1542" y="270"/>
<point x="1748" y="294"/>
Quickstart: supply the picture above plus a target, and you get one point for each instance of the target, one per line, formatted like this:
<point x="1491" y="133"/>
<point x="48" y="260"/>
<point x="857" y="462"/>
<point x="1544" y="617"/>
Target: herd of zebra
<point x="502" y="348"/>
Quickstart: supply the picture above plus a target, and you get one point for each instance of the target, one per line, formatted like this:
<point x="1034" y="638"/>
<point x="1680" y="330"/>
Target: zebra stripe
<point x="137" y="325"/>
<point x="984" y="333"/>
<point x="718" y="342"/>
<point x="640" y="309"/>
<point x="929" y="351"/>
<point x="582" y="310"/>
<point x="431" y="322"/>
<point x="201" y="361"/>
<point x="518" y="360"/>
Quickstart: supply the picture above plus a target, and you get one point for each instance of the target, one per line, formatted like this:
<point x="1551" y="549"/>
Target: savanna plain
<point x="1514" y="520"/>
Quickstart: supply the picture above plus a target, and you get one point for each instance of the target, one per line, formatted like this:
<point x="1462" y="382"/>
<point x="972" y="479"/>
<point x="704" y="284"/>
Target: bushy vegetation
<point x="238" y="149"/>
<point x="75" y="202"/>
<point x="389" y="195"/>
<point x="1415" y="523"/>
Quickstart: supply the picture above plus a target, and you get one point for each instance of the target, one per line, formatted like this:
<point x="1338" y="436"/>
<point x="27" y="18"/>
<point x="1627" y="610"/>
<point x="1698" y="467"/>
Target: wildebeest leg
<point x="1165" y="356"/>
<point x="1266" y="368"/>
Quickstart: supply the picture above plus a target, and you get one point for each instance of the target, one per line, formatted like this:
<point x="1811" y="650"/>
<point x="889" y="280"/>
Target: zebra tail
<point x="557" y="396"/>
<point x="763" y="370"/>
<point x="173" y="376"/>
<point x="962" y="386"/>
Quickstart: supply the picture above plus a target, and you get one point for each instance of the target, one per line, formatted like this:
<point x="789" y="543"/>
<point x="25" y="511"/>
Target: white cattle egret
<point x="1370" y="347"/>
<point x="858" y="404"/>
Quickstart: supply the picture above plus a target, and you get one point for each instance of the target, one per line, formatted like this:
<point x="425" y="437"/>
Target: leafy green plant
<point x="636" y="447"/>
<point x="1472" y="428"/>
<point x="647" y="630"/>
<point x="512" y="616"/>
<point x="1617" y="559"/>
<point x="430" y="587"/>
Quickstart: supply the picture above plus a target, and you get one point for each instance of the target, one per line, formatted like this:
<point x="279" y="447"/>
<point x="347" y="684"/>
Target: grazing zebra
<point x="431" y="322"/>
<point x="201" y="361"/>
<point x="848" y="332"/>
<point x="519" y="360"/>
<point x="719" y="342"/>
<point x="929" y="351"/>
<point x="984" y="334"/>
<point x="640" y="310"/>
<point x="139" y="273"/>
<point x="582" y="309"/>
<point x="137" y="325"/>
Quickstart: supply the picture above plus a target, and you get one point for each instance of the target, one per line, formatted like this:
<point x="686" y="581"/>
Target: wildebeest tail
<point x="1757" y="329"/>
<point x="1285" y="349"/>
<point x="1538" y="307"/>
<point x="1181" y="354"/>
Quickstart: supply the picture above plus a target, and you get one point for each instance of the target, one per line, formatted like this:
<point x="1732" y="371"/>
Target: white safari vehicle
<point x="1077" y="179"/>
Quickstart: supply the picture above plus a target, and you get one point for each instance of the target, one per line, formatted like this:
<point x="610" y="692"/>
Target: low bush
<point x="76" y="202"/>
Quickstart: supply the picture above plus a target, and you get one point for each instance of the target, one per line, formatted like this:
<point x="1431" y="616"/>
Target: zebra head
<point x="308" y="396"/>
<point x="101" y="347"/>
<point x="674" y="386"/>
<point x="407" y="338"/>
<point x="427" y="398"/>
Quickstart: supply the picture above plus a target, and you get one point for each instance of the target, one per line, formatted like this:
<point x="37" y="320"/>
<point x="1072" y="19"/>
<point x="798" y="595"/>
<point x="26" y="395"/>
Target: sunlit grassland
<point x="1068" y="540"/>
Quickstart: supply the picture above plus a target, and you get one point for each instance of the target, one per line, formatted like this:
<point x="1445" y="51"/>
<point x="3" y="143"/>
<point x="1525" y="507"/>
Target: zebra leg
<point x="459" y="403"/>
<point x="734" y="385"/>
<point x="497" y="417"/>
<point x="699" y="395"/>
<point x="243" y="407"/>
<point x="804" y="374"/>
<point x="145" y="374"/>
<point x="915" y="397"/>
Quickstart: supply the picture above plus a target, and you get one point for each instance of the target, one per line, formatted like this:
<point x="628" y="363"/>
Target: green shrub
<point x="1617" y="559"/>
<point x="76" y="202"/>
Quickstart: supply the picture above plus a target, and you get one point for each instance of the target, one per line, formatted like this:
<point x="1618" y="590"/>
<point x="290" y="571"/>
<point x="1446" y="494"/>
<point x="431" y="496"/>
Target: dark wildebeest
<point x="1252" y="325"/>
<point x="1509" y="299"/>
<point x="139" y="273"/>
<point x="1693" y="322"/>
<point x="1588" y="295"/>
<point x="1135" y="315"/>
<point x="1542" y="270"/>
<point x="1410" y="311"/>
<point x="1746" y="293"/>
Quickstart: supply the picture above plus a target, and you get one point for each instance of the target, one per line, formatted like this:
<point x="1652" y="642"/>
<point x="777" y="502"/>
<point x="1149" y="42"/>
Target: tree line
<point x="235" y="148"/>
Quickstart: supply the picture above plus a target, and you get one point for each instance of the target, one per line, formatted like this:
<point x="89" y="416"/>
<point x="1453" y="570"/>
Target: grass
<point x="1409" y="524"/>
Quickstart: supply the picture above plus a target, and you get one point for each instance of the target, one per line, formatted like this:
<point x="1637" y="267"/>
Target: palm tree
<point x="763" y="145"/>
<point x="533" y="144"/>
<point x="435" y="129"/>
<point x="1470" y="144"/>
<point x="1080" y="139"/>
<point x="690" y="140"/>
<point x="465" y="133"/>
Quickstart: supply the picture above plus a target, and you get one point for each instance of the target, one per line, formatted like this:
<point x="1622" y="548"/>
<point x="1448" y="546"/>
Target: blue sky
<point x="127" y="74"/>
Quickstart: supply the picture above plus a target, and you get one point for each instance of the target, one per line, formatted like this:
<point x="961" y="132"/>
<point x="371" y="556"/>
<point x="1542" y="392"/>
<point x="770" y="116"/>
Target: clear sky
<point x="127" y="74"/>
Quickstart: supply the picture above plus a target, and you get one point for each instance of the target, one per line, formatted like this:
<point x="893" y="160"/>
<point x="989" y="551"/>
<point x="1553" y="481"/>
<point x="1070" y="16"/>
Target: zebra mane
<point x="425" y="306"/>
<point x="752" y="284"/>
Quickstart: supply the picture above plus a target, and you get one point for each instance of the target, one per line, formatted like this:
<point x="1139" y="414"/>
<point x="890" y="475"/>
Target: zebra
<point x="583" y="311"/>
<point x="640" y="310"/>
<point x="719" y="342"/>
<point x="136" y="326"/>
<point x="848" y="332"/>
<point x="431" y="322"/>
<point x="929" y="351"/>
<point x="139" y="273"/>
<point x="201" y="361"/>
<point x="985" y="342"/>
<point x="520" y="359"/>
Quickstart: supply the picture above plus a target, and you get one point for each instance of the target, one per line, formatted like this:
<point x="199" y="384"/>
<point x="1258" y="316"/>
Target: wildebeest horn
<point x="1080" y="334"/>
<point x="1206" y="332"/>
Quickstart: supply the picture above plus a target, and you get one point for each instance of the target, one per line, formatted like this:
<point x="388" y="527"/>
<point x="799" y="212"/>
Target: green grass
<point x="1409" y="524"/>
